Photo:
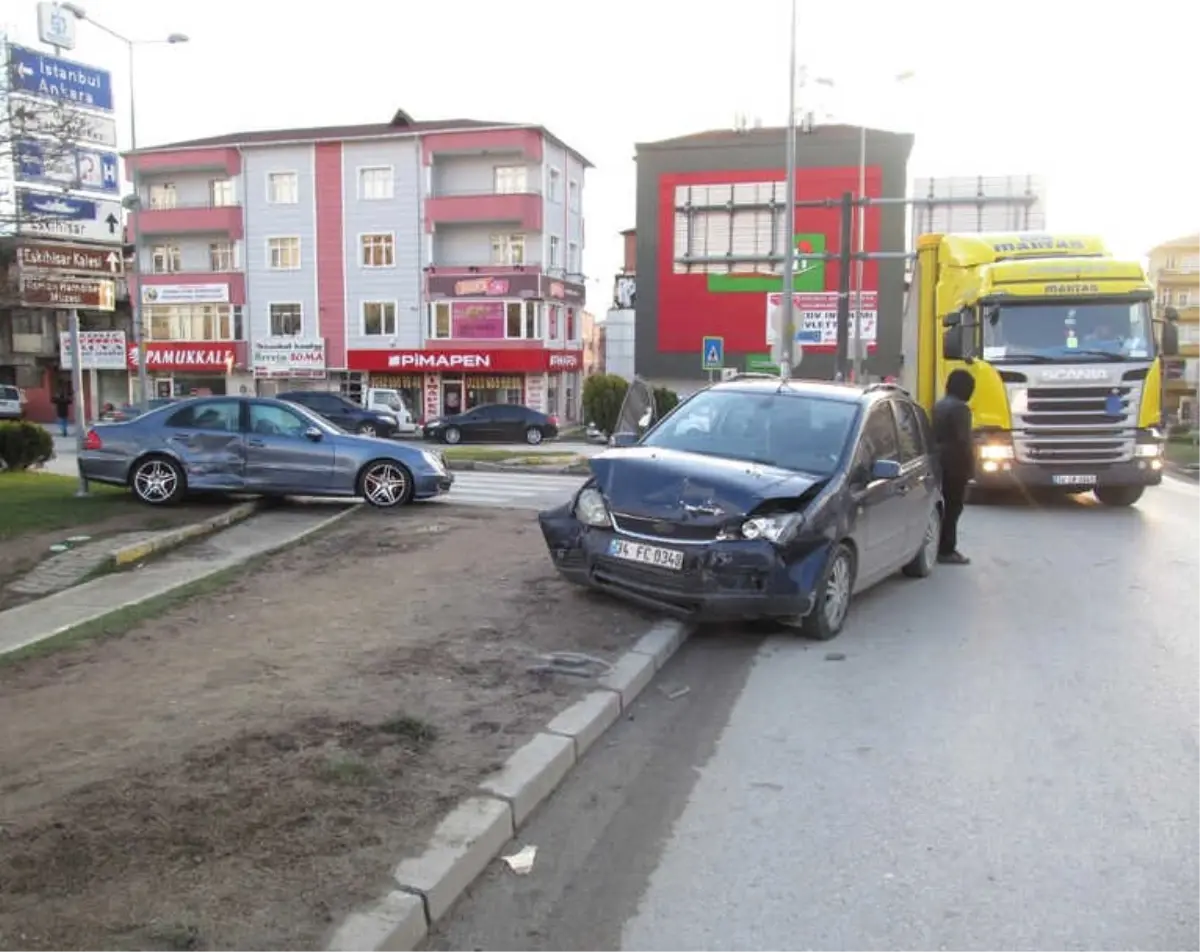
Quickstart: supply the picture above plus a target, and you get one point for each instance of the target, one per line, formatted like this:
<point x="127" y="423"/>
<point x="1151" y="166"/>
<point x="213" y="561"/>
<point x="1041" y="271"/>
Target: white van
<point x="385" y="400"/>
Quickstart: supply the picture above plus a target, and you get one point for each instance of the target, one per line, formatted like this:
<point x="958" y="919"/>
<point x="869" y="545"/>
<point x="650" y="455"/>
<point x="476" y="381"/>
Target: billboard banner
<point x="815" y="317"/>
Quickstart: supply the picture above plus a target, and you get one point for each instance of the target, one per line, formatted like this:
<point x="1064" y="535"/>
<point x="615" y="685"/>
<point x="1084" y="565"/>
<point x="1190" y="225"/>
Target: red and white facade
<point x="442" y="260"/>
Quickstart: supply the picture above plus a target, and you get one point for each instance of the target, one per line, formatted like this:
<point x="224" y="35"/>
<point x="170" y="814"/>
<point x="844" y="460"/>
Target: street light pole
<point x="787" y="332"/>
<point x="860" y="248"/>
<point x="135" y="303"/>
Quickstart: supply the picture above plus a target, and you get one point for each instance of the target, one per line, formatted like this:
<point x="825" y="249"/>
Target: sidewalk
<point x="258" y="535"/>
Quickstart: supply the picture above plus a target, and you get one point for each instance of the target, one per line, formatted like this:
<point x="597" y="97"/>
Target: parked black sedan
<point x="756" y="498"/>
<point x="493" y="423"/>
<point x="344" y="413"/>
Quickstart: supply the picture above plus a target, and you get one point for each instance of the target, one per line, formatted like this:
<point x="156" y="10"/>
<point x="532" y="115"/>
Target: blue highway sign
<point x="82" y="168"/>
<point x="52" y="77"/>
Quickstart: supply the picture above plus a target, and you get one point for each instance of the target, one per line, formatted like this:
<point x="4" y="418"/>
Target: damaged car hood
<point x="670" y="484"/>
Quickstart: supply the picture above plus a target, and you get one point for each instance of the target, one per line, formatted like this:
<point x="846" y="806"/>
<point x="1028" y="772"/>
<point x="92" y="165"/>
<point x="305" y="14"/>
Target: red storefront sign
<point x="200" y="356"/>
<point x="529" y="360"/>
<point x="515" y="284"/>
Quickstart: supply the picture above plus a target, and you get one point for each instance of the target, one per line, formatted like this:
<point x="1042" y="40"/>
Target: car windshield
<point x="782" y="429"/>
<point x="1118" y="330"/>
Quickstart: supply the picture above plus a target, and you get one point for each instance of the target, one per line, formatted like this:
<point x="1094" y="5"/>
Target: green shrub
<point x="602" y="398"/>
<point x="665" y="401"/>
<point x="24" y="444"/>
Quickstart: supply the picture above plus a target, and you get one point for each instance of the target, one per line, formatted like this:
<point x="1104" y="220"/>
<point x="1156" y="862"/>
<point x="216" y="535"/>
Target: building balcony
<point x="526" y="143"/>
<point x="188" y="219"/>
<point x="190" y="287"/>
<point x="520" y="210"/>
<point x="228" y="162"/>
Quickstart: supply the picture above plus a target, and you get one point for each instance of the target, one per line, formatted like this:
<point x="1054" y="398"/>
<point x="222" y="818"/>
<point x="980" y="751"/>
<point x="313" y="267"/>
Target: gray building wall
<point x="476" y="174"/>
<point x="460" y="246"/>
<point x="264" y="221"/>
<point x="561" y="217"/>
<point x="836" y="146"/>
<point x="399" y="216"/>
<point x="191" y="188"/>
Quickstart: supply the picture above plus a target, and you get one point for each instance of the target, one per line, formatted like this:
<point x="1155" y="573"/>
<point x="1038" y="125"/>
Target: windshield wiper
<point x="1107" y="354"/>
<point x="1029" y="358"/>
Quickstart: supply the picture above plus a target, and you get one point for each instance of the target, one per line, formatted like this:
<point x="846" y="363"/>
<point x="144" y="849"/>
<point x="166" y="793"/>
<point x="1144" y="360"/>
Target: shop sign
<point x="49" y="256"/>
<point x="60" y="290"/>
<point x="288" y="357"/>
<point x="554" y="289"/>
<point x="515" y="360"/>
<point x="99" y="350"/>
<point x="514" y="285"/>
<point x="211" y="356"/>
<point x="185" y="293"/>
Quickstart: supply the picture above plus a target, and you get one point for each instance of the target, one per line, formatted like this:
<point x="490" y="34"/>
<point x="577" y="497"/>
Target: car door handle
<point x="255" y="443"/>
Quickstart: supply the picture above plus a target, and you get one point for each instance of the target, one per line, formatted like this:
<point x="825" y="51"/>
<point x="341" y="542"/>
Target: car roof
<point x="819" y="389"/>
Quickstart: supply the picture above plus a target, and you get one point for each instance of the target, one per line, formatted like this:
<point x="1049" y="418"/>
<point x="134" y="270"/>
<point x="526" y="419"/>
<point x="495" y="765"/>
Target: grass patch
<point x="491" y="455"/>
<point x="1183" y="451"/>
<point x="43" y="502"/>
<point x="347" y="770"/>
<point x="410" y="728"/>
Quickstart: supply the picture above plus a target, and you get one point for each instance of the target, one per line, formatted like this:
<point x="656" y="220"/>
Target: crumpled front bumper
<point x="719" y="581"/>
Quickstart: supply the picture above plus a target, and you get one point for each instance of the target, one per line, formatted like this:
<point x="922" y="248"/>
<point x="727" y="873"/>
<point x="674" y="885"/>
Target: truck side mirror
<point x="956" y="339"/>
<point x="1169" y="337"/>
<point x="952" y="343"/>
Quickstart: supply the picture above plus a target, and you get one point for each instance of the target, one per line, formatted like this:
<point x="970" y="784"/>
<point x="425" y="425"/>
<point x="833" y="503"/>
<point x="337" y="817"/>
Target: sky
<point x="1101" y="101"/>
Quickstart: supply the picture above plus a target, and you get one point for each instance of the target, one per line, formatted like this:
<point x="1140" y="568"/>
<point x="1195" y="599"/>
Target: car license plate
<point x="645" y="554"/>
<point x="1074" y="479"/>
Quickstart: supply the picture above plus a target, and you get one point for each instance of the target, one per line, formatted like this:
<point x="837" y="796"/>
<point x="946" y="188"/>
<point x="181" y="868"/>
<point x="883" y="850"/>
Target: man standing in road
<point x="952" y="433"/>
<point x="62" y="407"/>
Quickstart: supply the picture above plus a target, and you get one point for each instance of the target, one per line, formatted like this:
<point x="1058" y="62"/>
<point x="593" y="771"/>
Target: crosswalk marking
<point x="510" y="490"/>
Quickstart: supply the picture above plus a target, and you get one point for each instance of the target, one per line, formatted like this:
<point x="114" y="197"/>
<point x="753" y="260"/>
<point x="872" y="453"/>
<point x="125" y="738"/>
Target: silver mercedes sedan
<point x="257" y="446"/>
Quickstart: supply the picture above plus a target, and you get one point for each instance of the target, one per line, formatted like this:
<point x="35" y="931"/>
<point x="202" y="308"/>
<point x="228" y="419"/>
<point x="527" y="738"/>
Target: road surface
<point x="509" y="490"/>
<point x="1001" y="756"/>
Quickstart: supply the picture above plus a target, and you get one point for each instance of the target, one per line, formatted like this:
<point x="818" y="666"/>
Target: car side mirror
<point x="313" y="433"/>
<point x="622" y="439"/>
<point x="885" y="469"/>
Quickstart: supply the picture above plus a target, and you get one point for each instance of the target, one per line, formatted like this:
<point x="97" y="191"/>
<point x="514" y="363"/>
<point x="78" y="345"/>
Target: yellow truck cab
<point x="1060" y="339"/>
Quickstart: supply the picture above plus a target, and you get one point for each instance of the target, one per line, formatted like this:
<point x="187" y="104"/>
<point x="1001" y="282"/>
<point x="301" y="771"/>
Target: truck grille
<point x="1065" y="425"/>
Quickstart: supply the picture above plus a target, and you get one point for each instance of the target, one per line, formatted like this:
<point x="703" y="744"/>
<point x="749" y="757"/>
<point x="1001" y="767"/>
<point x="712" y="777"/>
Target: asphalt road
<point x="1000" y="757"/>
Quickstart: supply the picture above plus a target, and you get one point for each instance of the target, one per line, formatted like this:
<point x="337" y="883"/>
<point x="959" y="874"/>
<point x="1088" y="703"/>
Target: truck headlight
<point x="776" y="528"/>
<point x="1148" y="450"/>
<point x="591" y="509"/>
<point x="996" y="452"/>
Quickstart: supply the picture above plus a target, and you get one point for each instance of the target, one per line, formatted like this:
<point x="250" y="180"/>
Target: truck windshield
<point x="1065" y="331"/>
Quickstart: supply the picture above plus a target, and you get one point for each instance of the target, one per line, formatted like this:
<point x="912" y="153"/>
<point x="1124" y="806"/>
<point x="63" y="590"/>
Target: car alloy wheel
<point x="366" y="429"/>
<point x="533" y="436"/>
<point x="453" y="435"/>
<point x="837" y="591"/>
<point x="385" y="484"/>
<point x="156" y="481"/>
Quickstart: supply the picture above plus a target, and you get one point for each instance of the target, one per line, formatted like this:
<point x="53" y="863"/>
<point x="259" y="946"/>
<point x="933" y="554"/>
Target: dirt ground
<point x="20" y="553"/>
<point x="246" y="769"/>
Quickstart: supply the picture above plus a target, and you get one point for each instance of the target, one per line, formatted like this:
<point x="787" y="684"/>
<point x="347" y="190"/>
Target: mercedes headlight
<point x="996" y="452"/>
<point x="777" y="528"/>
<point x="435" y="461"/>
<point x="591" y="509"/>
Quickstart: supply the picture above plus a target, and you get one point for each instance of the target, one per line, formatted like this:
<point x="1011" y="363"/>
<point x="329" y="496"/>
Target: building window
<point x="439" y="320"/>
<point x="510" y="320"/>
<point x="376" y="183"/>
<point x="554" y="186"/>
<point x="553" y="262"/>
<point x="216" y="322"/>
<point x="1183" y="298"/>
<point x="220" y="192"/>
<point x="570" y="329"/>
<point x="552" y="316"/>
<point x="1189" y="334"/>
<point x="378" y="251"/>
<point x="220" y="256"/>
<point x="163" y="195"/>
<point x="573" y="258"/>
<point x="166" y="259"/>
<point x="379" y="318"/>
<point x="283" y="254"/>
<point x="287" y="320"/>
<point x="533" y="320"/>
<point x="510" y="179"/>
<point x="283" y="188"/>
<point x="508" y="249"/>
<point x="573" y="195"/>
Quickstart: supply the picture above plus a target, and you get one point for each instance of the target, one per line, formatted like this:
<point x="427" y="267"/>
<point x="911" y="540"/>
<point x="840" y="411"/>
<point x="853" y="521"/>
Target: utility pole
<point x="843" y="305"/>
<point x="787" y="333"/>
<point x="77" y="396"/>
<point x="860" y="248"/>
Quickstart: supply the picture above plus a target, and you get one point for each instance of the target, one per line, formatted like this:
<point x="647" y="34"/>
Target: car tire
<point x="367" y="429"/>
<point x="534" y="436"/>
<point x="1119" y="495"/>
<point x="923" y="562"/>
<point x="385" y="484"/>
<point x="157" y="481"/>
<point x="452" y="435"/>
<point x="825" y="620"/>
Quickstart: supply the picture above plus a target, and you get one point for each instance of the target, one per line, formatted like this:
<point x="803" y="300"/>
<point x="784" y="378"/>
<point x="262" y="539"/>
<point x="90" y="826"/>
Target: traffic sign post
<point x="712" y="353"/>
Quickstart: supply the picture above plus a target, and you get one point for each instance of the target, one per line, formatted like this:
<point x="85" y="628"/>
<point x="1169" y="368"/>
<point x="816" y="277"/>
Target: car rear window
<point x="788" y="430"/>
<point x="9" y="393"/>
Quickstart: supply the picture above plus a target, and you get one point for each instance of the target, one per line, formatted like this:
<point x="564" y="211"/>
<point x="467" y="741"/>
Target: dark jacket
<point x="952" y="427"/>
<point x="62" y="404"/>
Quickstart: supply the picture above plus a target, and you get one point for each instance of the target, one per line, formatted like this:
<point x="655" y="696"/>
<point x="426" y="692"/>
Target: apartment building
<point x="444" y="259"/>
<point x="1175" y="274"/>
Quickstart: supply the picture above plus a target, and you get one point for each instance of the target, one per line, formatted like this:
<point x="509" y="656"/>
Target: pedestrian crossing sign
<point x="712" y="353"/>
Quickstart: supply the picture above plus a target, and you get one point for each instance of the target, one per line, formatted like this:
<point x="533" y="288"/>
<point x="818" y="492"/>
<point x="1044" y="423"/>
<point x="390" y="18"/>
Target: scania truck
<point x="1061" y="339"/>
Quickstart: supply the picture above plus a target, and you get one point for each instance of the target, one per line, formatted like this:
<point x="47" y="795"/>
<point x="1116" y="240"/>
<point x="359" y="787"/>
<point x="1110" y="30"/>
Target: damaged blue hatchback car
<point x="757" y="498"/>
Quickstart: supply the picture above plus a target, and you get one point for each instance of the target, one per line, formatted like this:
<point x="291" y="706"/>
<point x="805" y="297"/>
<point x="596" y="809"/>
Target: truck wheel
<point x="1119" y="495"/>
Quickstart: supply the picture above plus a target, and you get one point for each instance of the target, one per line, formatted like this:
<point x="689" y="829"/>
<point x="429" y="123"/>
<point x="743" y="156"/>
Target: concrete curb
<point x="474" y="832"/>
<point x="484" y="466"/>
<point x="174" y="538"/>
<point x="168" y="589"/>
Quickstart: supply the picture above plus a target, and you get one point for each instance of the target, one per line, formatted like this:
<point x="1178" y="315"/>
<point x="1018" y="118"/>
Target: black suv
<point x="756" y="498"/>
<point x="344" y="413"/>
